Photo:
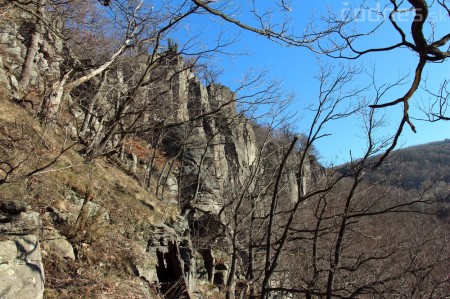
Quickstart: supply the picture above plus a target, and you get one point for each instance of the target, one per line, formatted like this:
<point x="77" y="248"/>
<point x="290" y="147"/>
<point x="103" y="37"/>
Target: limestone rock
<point x="14" y="40"/>
<point x="53" y="241"/>
<point x="146" y="270"/>
<point x="3" y="76"/>
<point x="23" y="224"/>
<point x="21" y="268"/>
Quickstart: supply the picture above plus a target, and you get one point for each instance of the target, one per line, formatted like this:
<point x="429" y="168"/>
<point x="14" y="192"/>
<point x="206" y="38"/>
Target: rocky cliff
<point x="17" y="28"/>
<point x="152" y="213"/>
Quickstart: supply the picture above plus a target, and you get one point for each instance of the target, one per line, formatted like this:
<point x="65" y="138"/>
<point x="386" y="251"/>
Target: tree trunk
<point x="151" y="164"/>
<point x="36" y="39"/>
<point x="230" y="283"/>
<point x="161" y="176"/>
<point x="61" y="88"/>
<point x="90" y="111"/>
<point x="173" y="160"/>
<point x="52" y="103"/>
<point x="134" y="163"/>
<point x="97" y="71"/>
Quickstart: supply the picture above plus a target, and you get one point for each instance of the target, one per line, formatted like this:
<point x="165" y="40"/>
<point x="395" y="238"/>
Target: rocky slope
<point x="125" y="224"/>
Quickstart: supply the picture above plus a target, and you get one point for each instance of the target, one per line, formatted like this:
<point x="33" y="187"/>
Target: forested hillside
<point x="420" y="169"/>
<point x="127" y="170"/>
<point x="415" y="167"/>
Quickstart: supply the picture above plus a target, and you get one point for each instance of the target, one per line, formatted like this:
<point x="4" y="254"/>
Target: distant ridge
<point x="415" y="166"/>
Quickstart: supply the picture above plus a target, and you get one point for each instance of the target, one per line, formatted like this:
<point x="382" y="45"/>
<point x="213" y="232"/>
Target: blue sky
<point x="296" y="68"/>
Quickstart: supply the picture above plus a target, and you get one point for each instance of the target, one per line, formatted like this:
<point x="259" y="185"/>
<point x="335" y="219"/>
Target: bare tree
<point x="339" y="237"/>
<point x="339" y="35"/>
<point x="435" y="109"/>
<point x="26" y="153"/>
<point x="268" y="199"/>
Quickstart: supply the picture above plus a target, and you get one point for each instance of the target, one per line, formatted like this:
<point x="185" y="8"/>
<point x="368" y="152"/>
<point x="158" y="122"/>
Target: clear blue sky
<point x="296" y="67"/>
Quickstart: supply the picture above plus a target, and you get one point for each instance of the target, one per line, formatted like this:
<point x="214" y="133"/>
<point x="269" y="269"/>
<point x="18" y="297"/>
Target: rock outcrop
<point x="207" y="153"/>
<point x="21" y="267"/>
<point x="17" y="27"/>
<point x="215" y="146"/>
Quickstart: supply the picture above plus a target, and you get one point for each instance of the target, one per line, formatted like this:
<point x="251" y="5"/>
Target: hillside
<point x="96" y="219"/>
<point x="414" y="167"/>
<point x="130" y="173"/>
<point x="120" y="186"/>
<point x="421" y="169"/>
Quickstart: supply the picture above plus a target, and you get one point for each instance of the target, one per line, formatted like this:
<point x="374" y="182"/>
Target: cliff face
<point x="219" y="150"/>
<point x="213" y="144"/>
<point x="157" y="215"/>
<point x="17" y="28"/>
<point x="224" y="174"/>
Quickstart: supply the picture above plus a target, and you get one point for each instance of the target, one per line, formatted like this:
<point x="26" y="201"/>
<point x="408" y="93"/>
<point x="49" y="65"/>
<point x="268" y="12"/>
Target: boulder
<point x="53" y="241"/>
<point x="146" y="270"/>
<point x="21" y="267"/>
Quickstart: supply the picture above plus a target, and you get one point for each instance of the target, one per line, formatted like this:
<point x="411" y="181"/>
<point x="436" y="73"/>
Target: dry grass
<point x="106" y="251"/>
<point x="71" y="279"/>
